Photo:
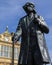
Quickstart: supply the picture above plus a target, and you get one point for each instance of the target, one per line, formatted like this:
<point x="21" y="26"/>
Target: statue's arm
<point x="18" y="32"/>
<point x="43" y="25"/>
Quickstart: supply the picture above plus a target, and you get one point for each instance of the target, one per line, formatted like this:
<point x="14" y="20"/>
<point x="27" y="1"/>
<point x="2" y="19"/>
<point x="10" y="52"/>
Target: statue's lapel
<point x="25" y="22"/>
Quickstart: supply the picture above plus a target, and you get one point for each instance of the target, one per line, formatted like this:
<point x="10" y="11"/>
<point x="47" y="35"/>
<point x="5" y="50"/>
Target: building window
<point x="9" y="52"/>
<point x="0" y="50"/>
<point x="6" y="51"/>
<point x="16" y="53"/>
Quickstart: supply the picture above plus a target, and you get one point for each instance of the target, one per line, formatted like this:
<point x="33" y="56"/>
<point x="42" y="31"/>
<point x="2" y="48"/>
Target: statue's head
<point x="29" y="7"/>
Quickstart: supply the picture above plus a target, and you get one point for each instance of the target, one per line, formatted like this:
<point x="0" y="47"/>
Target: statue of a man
<point x="31" y="29"/>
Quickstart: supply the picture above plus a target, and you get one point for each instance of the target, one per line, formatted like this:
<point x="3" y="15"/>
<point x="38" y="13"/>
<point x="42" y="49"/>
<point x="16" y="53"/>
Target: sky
<point x="11" y="11"/>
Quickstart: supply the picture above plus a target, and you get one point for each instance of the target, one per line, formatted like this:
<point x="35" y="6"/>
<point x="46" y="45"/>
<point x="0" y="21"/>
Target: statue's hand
<point x="38" y="19"/>
<point x="14" y="38"/>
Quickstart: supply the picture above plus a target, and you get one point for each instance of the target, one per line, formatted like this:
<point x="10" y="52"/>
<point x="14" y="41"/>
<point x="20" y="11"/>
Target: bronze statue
<point x="31" y="28"/>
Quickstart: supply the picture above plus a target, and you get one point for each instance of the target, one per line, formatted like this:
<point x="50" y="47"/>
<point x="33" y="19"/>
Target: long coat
<point x="32" y="39"/>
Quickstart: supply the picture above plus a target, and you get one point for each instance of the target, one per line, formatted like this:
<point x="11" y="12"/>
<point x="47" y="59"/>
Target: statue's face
<point x="30" y="8"/>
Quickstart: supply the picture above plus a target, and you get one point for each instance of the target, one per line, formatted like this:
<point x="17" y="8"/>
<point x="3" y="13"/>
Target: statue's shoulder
<point x="40" y="17"/>
<point x="24" y="17"/>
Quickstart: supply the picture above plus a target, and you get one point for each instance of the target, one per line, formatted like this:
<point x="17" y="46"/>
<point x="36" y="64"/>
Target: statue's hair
<point x="28" y="4"/>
